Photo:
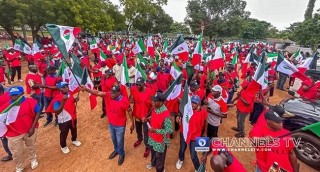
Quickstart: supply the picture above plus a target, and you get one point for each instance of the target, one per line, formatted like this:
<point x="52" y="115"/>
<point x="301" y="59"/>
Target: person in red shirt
<point x="22" y="132"/>
<point x="64" y="106"/>
<point x="222" y="160"/>
<point x="232" y="77"/>
<point x="141" y="98"/>
<point x="196" y="90"/>
<point x="4" y="73"/>
<point x="96" y="75"/>
<point x="117" y="118"/>
<point x="244" y="107"/>
<point x="163" y="79"/>
<point x="50" y="91"/>
<point x="4" y="99"/>
<point x="195" y="127"/>
<point x="107" y="81"/>
<point x="281" y="150"/>
<point x="14" y="59"/>
<point x="33" y="81"/>
<point x="310" y="89"/>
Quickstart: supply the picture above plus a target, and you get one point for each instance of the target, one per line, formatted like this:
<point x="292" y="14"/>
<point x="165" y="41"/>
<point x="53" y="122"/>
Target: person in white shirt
<point x="117" y="70"/>
<point x="132" y="73"/>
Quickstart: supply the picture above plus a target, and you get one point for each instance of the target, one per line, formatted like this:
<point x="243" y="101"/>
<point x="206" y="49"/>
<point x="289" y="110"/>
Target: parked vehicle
<point x="300" y="113"/>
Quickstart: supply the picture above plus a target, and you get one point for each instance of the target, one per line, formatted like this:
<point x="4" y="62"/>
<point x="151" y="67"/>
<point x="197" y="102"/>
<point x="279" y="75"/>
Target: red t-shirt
<point x="196" y="124"/>
<point x="163" y="80"/>
<point x="279" y="153"/>
<point x="249" y="98"/>
<point x="230" y="78"/>
<point x="14" y="59"/>
<point x="107" y="83"/>
<point x="116" y="110"/>
<point x="203" y="80"/>
<point x="51" y="81"/>
<point x="2" y="71"/>
<point x="311" y="93"/>
<point x="142" y="102"/>
<point x="36" y="78"/>
<point x="4" y="98"/>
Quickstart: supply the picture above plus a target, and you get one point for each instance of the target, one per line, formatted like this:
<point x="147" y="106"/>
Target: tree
<point x="309" y="10"/>
<point x="177" y="27"/>
<point x="254" y="29"/>
<point x="216" y="15"/>
<point x="118" y="18"/>
<point x="8" y="16"/>
<point x="153" y="22"/>
<point x="135" y="10"/>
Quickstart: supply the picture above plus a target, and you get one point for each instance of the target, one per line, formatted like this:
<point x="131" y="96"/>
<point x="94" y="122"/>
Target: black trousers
<point x="104" y="107"/>
<point x="14" y="71"/>
<point x="142" y="132"/>
<point x="64" y="131"/>
<point x="158" y="159"/>
<point x="212" y="131"/>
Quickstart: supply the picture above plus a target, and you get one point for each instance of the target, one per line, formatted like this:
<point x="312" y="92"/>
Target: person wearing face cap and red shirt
<point x="107" y="81"/>
<point x="117" y="118"/>
<point x="23" y="129"/>
<point x="141" y="98"/>
<point x="282" y="152"/>
<point x="64" y="107"/>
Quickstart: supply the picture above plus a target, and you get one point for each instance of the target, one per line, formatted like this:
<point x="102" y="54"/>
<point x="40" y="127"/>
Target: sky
<point x="280" y="13"/>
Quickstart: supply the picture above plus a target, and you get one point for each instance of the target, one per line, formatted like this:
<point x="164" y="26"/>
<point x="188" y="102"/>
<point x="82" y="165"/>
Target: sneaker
<point x="76" y="143"/>
<point x="47" y="123"/>
<point x="146" y="153"/>
<point x="65" y="150"/>
<point x="149" y="166"/>
<point x="6" y="158"/>
<point x="103" y="115"/>
<point x="235" y="129"/>
<point x="34" y="164"/>
<point x="19" y="169"/>
<point x="179" y="164"/>
<point x="20" y="80"/>
<point x="239" y="135"/>
<point x="137" y="143"/>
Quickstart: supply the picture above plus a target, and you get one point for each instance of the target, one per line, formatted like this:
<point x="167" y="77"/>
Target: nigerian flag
<point x="138" y="47"/>
<point x="103" y="56"/>
<point x="186" y="110"/>
<point x="6" y="46"/>
<point x="140" y="73"/>
<point x="76" y="74"/>
<point x="272" y="57"/>
<point x="297" y="55"/>
<point x="9" y="115"/>
<point x="175" y="89"/>
<point x="21" y="46"/>
<point x="63" y="36"/>
<point x="124" y="74"/>
<point x="141" y="59"/>
<point x="63" y="71"/>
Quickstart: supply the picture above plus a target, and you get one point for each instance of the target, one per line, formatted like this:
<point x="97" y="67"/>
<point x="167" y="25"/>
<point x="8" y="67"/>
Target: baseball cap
<point x="109" y="72"/>
<point x="159" y="97"/>
<point x="194" y="84"/>
<point x="115" y="89"/>
<point x="195" y="99"/>
<point x="140" y="81"/>
<point x="16" y="90"/>
<point x="62" y="84"/>
<point x="273" y="116"/>
<point x="217" y="88"/>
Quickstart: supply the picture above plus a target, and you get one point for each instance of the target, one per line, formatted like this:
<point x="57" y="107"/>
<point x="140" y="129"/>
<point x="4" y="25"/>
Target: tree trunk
<point x="35" y="32"/>
<point x="23" y="27"/>
<point x="10" y="32"/>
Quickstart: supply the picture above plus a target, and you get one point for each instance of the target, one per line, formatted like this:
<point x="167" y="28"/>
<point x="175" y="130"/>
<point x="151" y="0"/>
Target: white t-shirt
<point x="217" y="106"/>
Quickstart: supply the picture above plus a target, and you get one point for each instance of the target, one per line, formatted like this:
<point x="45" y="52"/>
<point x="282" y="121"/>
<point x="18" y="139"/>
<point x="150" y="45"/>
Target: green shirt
<point x="166" y="129"/>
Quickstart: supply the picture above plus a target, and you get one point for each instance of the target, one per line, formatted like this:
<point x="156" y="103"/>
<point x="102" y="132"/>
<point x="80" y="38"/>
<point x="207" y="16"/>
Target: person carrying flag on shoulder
<point x="23" y="131"/>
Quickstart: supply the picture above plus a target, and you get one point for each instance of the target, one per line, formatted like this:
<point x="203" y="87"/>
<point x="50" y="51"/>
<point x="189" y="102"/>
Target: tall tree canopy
<point x="309" y="10"/>
<point x="215" y="14"/>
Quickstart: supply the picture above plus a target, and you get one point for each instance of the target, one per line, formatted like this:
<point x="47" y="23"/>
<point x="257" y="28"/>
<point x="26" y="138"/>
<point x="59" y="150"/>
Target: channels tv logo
<point x="202" y="144"/>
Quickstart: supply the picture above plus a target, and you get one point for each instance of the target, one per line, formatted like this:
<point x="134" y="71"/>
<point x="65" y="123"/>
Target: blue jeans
<point x="39" y="98"/>
<point x="5" y="145"/>
<point x="193" y="153"/>
<point x="117" y="136"/>
<point x="47" y="101"/>
<point x="231" y="93"/>
<point x="282" y="80"/>
<point x="258" y="169"/>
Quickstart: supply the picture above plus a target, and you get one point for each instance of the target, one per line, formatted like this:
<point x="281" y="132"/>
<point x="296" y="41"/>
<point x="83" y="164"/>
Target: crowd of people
<point x="143" y="101"/>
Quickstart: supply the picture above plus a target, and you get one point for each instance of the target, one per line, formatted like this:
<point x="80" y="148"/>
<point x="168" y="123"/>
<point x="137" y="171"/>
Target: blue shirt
<point x="36" y="108"/>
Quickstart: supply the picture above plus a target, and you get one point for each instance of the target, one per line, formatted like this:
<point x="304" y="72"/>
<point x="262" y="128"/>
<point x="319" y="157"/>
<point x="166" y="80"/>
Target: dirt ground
<point x="96" y="146"/>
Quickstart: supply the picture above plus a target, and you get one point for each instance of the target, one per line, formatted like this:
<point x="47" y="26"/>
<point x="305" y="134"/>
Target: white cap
<point x="217" y="88"/>
<point x="49" y="45"/>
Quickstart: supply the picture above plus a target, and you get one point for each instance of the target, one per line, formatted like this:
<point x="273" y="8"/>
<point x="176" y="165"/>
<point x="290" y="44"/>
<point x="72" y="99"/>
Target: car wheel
<point x="308" y="150"/>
